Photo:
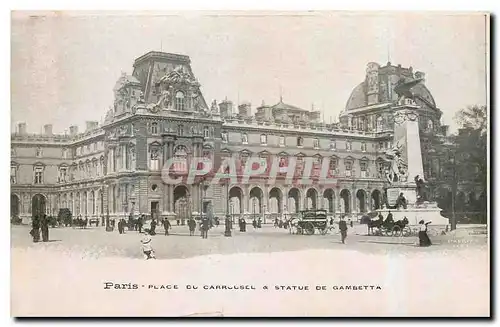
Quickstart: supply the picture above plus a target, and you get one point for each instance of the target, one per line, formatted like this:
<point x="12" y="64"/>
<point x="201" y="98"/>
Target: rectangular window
<point x="223" y="136"/>
<point x="38" y="175"/>
<point x="300" y="141"/>
<point x="13" y="179"/>
<point x="282" y="140"/>
<point x="155" y="160"/>
<point x="316" y="143"/>
<point x="380" y="145"/>
<point x="348" y="146"/>
<point x="62" y="174"/>
<point x="263" y="139"/>
<point x="333" y="145"/>
<point x="38" y="152"/>
<point x="206" y="132"/>
<point x="364" y="167"/>
<point x="363" y="147"/>
<point x="244" y="138"/>
<point x="333" y="164"/>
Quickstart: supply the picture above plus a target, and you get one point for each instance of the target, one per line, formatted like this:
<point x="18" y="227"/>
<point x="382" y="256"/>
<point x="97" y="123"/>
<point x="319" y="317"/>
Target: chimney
<point x="90" y="125"/>
<point x="73" y="130"/>
<point x="21" y="128"/>
<point x="226" y="108"/>
<point x="47" y="129"/>
<point x="244" y="109"/>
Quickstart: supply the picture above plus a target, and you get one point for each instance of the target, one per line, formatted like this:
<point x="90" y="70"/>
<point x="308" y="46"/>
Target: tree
<point x="471" y="144"/>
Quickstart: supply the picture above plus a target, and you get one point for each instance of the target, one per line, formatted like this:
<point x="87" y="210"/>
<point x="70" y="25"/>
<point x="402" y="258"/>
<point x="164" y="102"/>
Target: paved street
<point x="96" y="242"/>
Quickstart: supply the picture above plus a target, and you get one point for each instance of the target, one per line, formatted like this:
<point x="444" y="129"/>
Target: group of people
<point x="40" y="223"/>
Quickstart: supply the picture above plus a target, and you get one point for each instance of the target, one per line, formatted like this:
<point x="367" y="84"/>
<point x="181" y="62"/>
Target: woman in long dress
<point x="423" y="238"/>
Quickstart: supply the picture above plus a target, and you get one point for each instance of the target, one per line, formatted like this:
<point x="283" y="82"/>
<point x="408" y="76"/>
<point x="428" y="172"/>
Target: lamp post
<point x="228" y="223"/>
<point x="453" y="191"/>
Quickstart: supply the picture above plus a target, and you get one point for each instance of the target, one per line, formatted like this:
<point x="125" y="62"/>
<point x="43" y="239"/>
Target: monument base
<point x="427" y="211"/>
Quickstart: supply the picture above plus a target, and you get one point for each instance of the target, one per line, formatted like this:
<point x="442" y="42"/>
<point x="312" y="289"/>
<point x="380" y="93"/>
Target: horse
<point x="374" y="224"/>
<point x="402" y="223"/>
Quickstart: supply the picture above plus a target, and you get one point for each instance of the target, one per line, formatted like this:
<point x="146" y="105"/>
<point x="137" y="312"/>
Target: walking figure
<point x="153" y="227"/>
<point x="166" y="225"/>
<point x="44" y="226"/>
<point x="204" y="227"/>
<point x="35" y="229"/>
<point x="343" y="229"/>
<point x="192" y="226"/>
<point x="423" y="238"/>
<point x="140" y="221"/>
<point x="147" y="247"/>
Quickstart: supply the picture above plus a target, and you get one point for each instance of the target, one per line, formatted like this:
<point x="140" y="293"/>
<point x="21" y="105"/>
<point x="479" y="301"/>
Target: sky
<point x="64" y="65"/>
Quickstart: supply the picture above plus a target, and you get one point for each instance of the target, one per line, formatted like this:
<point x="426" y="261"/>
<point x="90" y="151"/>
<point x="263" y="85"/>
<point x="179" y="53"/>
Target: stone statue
<point x="420" y="188"/>
<point x="397" y="171"/>
<point x="404" y="86"/>
<point x="164" y="100"/>
<point x="214" y="107"/>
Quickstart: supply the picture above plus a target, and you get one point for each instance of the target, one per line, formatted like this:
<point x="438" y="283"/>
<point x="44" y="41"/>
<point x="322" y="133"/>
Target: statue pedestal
<point x="428" y="211"/>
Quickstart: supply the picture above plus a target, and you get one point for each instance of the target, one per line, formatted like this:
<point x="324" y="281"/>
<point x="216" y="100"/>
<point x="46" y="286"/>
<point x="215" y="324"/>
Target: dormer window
<point x="244" y="138"/>
<point x="333" y="145"/>
<point x="179" y="101"/>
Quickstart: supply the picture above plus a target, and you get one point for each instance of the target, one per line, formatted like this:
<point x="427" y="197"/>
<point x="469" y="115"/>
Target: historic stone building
<point x="160" y="112"/>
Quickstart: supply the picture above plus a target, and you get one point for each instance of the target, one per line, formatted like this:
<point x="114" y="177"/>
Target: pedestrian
<point x="204" y="227"/>
<point x="44" y="226"/>
<point x="120" y="231"/>
<point x="343" y="229"/>
<point x="192" y="226"/>
<point x="423" y="238"/>
<point x="243" y="225"/>
<point x="166" y="225"/>
<point x="331" y="221"/>
<point x="153" y="227"/>
<point x="350" y="223"/>
<point x="254" y="223"/>
<point x="259" y="223"/>
<point x="35" y="229"/>
<point x="147" y="246"/>
<point x="140" y="222"/>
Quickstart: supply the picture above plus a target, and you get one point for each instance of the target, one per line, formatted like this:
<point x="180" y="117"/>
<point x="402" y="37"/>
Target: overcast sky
<point x="64" y="67"/>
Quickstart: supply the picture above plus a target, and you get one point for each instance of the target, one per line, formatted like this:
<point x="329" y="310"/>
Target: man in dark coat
<point x="389" y="218"/>
<point x="166" y="225"/>
<point x="35" y="229"/>
<point x="44" y="226"/>
<point x="243" y="225"/>
<point x="205" y="224"/>
<point x="140" y="222"/>
<point x="343" y="229"/>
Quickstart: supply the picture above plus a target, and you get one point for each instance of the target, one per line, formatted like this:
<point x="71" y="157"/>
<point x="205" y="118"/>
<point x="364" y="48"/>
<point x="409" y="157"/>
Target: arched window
<point x="300" y="141"/>
<point x="206" y="132"/>
<point x="179" y="101"/>
<point x="316" y="143"/>
<point x="244" y="138"/>
<point x="180" y="130"/>
<point x="154" y="128"/>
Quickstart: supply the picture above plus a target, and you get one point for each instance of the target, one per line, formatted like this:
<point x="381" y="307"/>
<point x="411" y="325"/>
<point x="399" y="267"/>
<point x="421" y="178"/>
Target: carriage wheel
<point x="396" y="231"/>
<point x="406" y="231"/>
<point x="309" y="229"/>
<point x="324" y="230"/>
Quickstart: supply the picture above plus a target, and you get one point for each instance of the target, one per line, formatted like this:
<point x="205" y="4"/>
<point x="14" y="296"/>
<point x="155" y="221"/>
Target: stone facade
<point x="160" y="113"/>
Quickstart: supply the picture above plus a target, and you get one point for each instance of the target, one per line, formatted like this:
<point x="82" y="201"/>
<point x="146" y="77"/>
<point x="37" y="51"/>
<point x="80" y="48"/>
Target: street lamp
<point x="454" y="191"/>
<point x="228" y="223"/>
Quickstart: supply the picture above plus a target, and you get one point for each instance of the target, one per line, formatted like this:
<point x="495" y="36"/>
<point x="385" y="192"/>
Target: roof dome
<point x="357" y="98"/>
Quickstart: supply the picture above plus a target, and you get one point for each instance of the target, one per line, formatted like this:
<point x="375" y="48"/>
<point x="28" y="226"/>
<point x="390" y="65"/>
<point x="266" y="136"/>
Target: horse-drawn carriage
<point x="309" y="221"/>
<point x="387" y="227"/>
